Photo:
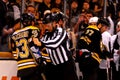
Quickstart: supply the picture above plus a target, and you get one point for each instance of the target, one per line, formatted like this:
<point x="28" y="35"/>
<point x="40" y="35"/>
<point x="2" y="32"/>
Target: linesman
<point x="56" y="42"/>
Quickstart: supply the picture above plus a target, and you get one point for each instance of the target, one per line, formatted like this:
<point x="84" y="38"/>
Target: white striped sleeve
<point x="53" y="43"/>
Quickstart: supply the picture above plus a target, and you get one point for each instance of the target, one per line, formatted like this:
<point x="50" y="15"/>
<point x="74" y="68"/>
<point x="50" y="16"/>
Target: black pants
<point x="89" y="67"/>
<point x="64" y="71"/>
<point x="30" y="74"/>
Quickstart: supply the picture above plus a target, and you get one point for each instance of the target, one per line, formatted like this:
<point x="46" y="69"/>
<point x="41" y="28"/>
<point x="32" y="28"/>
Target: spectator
<point x="3" y="11"/>
<point x="73" y="13"/>
<point x="13" y="14"/>
<point x="31" y="9"/>
<point x="96" y="7"/>
<point x="45" y="5"/>
<point x="12" y="18"/>
<point x="80" y="2"/>
<point x="57" y="4"/>
<point x="74" y="8"/>
<point x="36" y="3"/>
<point x="82" y="22"/>
<point x="111" y="9"/>
<point x="86" y="6"/>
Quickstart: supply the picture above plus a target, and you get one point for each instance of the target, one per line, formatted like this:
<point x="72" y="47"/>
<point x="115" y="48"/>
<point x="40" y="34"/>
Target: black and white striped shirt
<point x="57" y="45"/>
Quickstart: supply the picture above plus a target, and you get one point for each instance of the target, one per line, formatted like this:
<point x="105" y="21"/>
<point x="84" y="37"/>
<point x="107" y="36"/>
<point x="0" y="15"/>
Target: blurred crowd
<point x="73" y="9"/>
<point x="80" y="16"/>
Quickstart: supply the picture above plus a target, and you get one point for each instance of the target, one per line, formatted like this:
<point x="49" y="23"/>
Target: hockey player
<point x="90" y="46"/>
<point x="24" y="47"/>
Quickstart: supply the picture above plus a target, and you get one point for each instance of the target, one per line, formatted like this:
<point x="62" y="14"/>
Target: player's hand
<point x="37" y="42"/>
<point x="5" y="32"/>
<point x="81" y="18"/>
<point x="10" y="30"/>
<point x="118" y="52"/>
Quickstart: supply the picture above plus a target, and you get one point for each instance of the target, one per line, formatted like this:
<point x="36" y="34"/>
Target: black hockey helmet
<point x="50" y="17"/>
<point x="47" y="18"/>
<point x="60" y="16"/>
<point x="27" y="18"/>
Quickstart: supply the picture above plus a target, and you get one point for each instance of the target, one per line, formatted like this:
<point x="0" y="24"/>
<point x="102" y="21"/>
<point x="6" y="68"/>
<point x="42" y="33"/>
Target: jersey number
<point x="89" y="32"/>
<point x="22" y="48"/>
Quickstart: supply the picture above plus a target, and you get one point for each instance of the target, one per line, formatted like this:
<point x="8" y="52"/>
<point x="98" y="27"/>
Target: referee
<point x="57" y="45"/>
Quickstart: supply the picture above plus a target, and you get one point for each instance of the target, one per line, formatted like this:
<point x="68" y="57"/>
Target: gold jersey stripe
<point x="23" y="29"/>
<point x="28" y="66"/>
<point x="44" y="54"/>
<point x="96" y="57"/>
<point x="48" y="60"/>
<point x="94" y="27"/>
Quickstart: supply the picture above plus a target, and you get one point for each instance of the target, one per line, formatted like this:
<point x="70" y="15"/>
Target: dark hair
<point x="104" y="21"/>
<point x="90" y="12"/>
<point x="12" y="1"/>
<point x="50" y="17"/>
<point x="29" y="6"/>
<point x="47" y="18"/>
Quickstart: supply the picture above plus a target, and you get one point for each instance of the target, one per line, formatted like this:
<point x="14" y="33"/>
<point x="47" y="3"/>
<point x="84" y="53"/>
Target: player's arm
<point x="12" y="47"/>
<point x="57" y="40"/>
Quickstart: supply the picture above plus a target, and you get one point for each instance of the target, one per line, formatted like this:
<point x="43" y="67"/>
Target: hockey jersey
<point x="21" y="43"/>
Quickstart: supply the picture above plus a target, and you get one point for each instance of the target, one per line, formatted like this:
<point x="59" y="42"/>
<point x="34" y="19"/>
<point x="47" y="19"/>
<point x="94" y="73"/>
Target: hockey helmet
<point x="27" y="18"/>
<point x="54" y="16"/>
<point x="60" y="16"/>
<point x="47" y="18"/>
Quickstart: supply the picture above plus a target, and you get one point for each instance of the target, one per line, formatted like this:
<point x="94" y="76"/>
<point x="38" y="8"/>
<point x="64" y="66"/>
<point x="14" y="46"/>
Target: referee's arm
<point x="58" y="39"/>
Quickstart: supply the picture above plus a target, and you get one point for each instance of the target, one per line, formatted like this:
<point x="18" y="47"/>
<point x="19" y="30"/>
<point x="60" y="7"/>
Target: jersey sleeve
<point x="57" y="39"/>
<point x="85" y="39"/>
<point x="12" y="47"/>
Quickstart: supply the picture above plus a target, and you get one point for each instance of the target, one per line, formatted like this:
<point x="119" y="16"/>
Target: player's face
<point x="99" y="26"/>
<point x="102" y="29"/>
<point x="61" y="23"/>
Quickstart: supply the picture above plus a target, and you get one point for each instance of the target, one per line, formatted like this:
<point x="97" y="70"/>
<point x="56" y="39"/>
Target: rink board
<point x="8" y="67"/>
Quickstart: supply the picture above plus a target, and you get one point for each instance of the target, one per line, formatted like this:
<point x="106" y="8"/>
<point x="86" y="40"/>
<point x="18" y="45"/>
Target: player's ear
<point x="99" y="25"/>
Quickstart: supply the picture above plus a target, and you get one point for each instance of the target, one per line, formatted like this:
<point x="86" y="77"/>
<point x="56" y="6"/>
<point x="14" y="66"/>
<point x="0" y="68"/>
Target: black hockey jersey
<point x="92" y="41"/>
<point x="21" y="42"/>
